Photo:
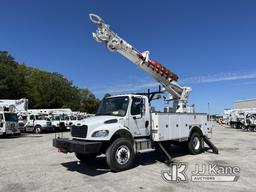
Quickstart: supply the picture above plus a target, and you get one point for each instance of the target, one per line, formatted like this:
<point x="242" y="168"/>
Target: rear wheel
<point x="85" y="157"/>
<point x="120" y="154"/>
<point x="195" y="143"/>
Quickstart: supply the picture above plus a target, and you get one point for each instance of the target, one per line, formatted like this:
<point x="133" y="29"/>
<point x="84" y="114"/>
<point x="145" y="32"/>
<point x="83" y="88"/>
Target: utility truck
<point x="127" y="124"/>
<point x="9" y="123"/>
<point x="55" y="115"/>
<point x="38" y="123"/>
<point x="249" y="123"/>
<point x="238" y="118"/>
<point x="19" y="106"/>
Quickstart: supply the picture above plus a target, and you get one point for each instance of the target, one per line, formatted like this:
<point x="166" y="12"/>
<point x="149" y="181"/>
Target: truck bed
<point x="177" y="126"/>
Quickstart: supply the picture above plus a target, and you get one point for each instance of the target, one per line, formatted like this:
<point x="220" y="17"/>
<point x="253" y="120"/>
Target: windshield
<point x="56" y="118"/>
<point x="116" y="106"/>
<point x="11" y="117"/>
<point x="41" y="117"/>
<point x="72" y="118"/>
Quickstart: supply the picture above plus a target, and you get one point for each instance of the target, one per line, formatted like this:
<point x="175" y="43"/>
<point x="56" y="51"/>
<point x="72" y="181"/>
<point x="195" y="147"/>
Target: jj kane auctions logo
<point x="201" y="173"/>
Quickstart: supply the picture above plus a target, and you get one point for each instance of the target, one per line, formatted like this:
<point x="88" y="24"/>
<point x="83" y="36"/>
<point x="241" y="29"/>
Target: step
<point x="143" y="144"/>
<point x="146" y="150"/>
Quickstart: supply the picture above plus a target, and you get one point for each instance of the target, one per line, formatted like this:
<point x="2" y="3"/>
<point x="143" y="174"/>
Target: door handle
<point x="146" y="124"/>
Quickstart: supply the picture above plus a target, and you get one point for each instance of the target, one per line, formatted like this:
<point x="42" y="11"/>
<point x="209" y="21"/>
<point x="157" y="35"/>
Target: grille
<point x="79" y="131"/>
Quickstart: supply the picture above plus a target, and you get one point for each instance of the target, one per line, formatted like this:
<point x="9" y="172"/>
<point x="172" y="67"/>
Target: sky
<point x="210" y="44"/>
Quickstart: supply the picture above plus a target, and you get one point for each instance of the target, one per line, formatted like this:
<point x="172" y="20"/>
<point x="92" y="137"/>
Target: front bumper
<point x="12" y="132"/>
<point x="84" y="147"/>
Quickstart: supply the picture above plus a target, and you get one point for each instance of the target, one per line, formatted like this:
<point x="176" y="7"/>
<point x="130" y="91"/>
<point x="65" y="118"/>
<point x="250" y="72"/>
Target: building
<point x="242" y="104"/>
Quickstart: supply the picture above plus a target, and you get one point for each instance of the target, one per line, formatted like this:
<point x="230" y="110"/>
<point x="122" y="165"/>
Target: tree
<point x="11" y="80"/>
<point x="43" y="89"/>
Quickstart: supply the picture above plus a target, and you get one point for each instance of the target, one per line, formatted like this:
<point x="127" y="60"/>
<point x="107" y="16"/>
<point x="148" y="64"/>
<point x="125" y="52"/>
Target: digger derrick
<point x="160" y="73"/>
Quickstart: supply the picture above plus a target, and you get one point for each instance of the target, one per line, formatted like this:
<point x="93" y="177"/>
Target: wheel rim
<point x="122" y="154"/>
<point x="196" y="143"/>
<point x="38" y="130"/>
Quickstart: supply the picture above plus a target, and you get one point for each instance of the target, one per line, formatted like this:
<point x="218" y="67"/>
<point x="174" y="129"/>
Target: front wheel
<point x="38" y="129"/>
<point x="120" y="154"/>
<point x="195" y="144"/>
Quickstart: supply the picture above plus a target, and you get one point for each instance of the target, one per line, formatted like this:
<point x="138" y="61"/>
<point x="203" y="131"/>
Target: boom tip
<point x="95" y="18"/>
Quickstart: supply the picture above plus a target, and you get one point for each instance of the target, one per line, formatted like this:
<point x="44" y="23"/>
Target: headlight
<point x="101" y="133"/>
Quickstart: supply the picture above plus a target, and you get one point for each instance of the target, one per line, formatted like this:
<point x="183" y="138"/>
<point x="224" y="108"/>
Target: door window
<point x="136" y="106"/>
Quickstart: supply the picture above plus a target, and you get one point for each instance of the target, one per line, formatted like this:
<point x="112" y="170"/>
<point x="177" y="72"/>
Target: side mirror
<point x="1" y="124"/>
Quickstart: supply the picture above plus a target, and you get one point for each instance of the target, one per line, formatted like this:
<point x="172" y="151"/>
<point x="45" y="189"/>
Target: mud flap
<point x="211" y="145"/>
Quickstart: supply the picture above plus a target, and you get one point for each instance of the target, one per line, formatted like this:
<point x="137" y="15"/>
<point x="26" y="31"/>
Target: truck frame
<point x="127" y="124"/>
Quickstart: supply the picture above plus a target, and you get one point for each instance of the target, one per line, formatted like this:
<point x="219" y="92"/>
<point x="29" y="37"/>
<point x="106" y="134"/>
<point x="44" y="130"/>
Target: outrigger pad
<point x="211" y="145"/>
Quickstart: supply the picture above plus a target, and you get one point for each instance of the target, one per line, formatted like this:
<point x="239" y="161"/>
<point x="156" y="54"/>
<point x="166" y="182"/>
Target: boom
<point x="161" y="74"/>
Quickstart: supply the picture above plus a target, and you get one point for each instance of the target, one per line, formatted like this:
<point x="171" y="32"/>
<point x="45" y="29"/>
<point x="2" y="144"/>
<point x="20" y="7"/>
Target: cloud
<point x="220" y="77"/>
<point x="247" y="83"/>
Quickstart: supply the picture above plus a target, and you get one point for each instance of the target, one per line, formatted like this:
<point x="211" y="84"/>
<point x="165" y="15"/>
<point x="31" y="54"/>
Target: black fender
<point x="195" y="129"/>
<point x="118" y="134"/>
<point x="122" y="133"/>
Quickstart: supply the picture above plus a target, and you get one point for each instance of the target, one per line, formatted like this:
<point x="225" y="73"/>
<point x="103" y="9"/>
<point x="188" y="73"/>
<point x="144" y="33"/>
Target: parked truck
<point x="38" y="123"/>
<point x="55" y="116"/>
<point x="9" y="123"/>
<point x="127" y="124"/>
<point x="249" y="121"/>
<point x="19" y="106"/>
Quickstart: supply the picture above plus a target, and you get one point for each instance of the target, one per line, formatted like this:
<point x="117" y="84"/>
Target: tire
<point x="38" y="129"/>
<point x="195" y="143"/>
<point x="243" y="127"/>
<point x="251" y="128"/>
<point x="120" y="155"/>
<point x="85" y="157"/>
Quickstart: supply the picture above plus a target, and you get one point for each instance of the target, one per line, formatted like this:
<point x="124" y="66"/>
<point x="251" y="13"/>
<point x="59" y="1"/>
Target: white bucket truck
<point x="9" y="123"/>
<point x="126" y="124"/>
<point x="38" y="123"/>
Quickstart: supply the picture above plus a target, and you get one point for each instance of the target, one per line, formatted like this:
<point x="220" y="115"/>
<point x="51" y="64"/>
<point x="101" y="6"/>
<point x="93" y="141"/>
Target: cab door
<point x="30" y="123"/>
<point x="139" y="118"/>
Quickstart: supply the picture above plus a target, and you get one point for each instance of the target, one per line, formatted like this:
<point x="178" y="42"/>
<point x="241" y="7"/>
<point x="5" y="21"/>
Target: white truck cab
<point x="122" y="112"/>
<point x="38" y="123"/>
<point x="9" y="123"/>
